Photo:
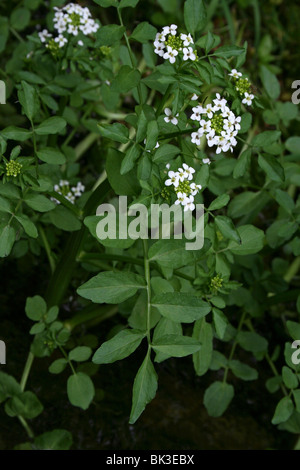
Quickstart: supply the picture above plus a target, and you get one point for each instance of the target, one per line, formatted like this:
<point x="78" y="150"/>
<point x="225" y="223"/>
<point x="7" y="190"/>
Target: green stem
<point x="26" y="370"/>
<point x="148" y="281"/>
<point x="67" y="359"/>
<point x="47" y="249"/>
<point x="92" y="314"/>
<point x="132" y="58"/>
<point x="16" y="34"/>
<point x="293" y="269"/>
<point x="26" y="427"/>
<point x="242" y="319"/>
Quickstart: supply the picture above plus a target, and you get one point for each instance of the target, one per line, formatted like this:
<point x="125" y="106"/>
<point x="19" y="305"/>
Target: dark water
<point x="175" y="420"/>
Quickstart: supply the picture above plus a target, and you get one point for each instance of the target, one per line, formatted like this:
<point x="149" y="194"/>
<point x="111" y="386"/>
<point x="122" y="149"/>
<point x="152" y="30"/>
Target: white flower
<point x="61" y="40"/>
<point x="173" y="179"/>
<point x="170" y="118"/>
<point x="206" y="160"/>
<point x="194" y="97"/>
<point x="195" y="188"/>
<point x="188" y="171"/>
<point x="196" y="138"/>
<point x="188" y="53"/>
<point x="80" y="43"/>
<point x="159" y="48"/>
<point x="43" y="35"/>
<point x="168" y="166"/>
<point x="234" y="73"/>
<point x="197" y="111"/>
<point x="173" y="29"/>
<point x="170" y="54"/>
<point x="181" y="198"/>
<point x="209" y="110"/>
<point x="248" y="99"/>
<point x="187" y="39"/>
<point x="205" y="126"/>
<point x="160" y="37"/>
<point x="189" y="204"/>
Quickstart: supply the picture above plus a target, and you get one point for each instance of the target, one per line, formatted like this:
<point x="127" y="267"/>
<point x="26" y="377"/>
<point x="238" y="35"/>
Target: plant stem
<point x="26" y="427"/>
<point x="148" y="281"/>
<point x="242" y="319"/>
<point x="26" y="370"/>
<point x="293" y="269"/>
<point x="47" y="249"/>
<point x="132" y="58"/>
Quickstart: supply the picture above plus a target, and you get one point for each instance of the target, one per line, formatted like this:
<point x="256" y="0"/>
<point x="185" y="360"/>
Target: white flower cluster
<point x="185" y="190"/>
<point x="242" y="86"/>
<point x="71" y="19"/>
<point x="168" y="44"/>
<point x="169" y="117"/>
<point x="218" y="123"/>
<point x="70" y="194"/>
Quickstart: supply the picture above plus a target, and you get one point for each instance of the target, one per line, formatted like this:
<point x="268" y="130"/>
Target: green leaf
<point x="219" y="202"/>
<point x="80" y="389"/>
<point x="180" y="307"/>
<point x="144" y="389"/>
<point x="127" y="79"/>
<point x="296" y="394"/>
<point x="28" y="99"/>
<point x="293" y="144"/>
<point x="217" y="398"/>
<point x="58" y="366"/>
<point x="16" y="133"/>
<point x="106" y="3"/>
<point x="283" y="410"/>
<point x="117" y="132"/>
<point x="252" y="241"/>
<point x="220" y="322"/>
<point x="64" y="219"/>
<point x="58" y="439"/>
<point x="270" y="82"/>
<point x="130" y="158"/>
<point x="251" y="341"/>
<point x="20" y="18"/>
<point x="51" y="156"/>
<point x="204" y="334"/>
<point x="266" y="138"/>
<point x="271" y="167"/>
<point x="152" y="135"/>
<point x="7" y="240"/>
<point x="5" y="205"/>
<point x="293" y="329"/>
<point x="8" y="386"/>
<point x="166" y="153"/>
<point x="242" y="164"/>
<point x="38" y="202"/>
<point x="35" y="307"/>
<point x="246" y="122"/>
<point x="37" y="328"/>
<point x="227" y="228"/>
<point x="194" y="15"/>
<point x="128" y="3"/>
<point x="108" y="35"/>
<point x="28" y="226"/>
<point x="80" y="353"/>
<point x="176" y="345"/>
<point x="289" y="378"/>
<point x="242" y="371"/>
<point x="111" y="287"/>
<point x="120" y="346"/>
<point x="164" y="326"/>
<point x="170" y="253"/>
<point x="144" y="32"/>
<point x="52" y="125"/>
<point x="122" y="184"/>
<point x="26" y="404"/>
<point x="228" y="51"/>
